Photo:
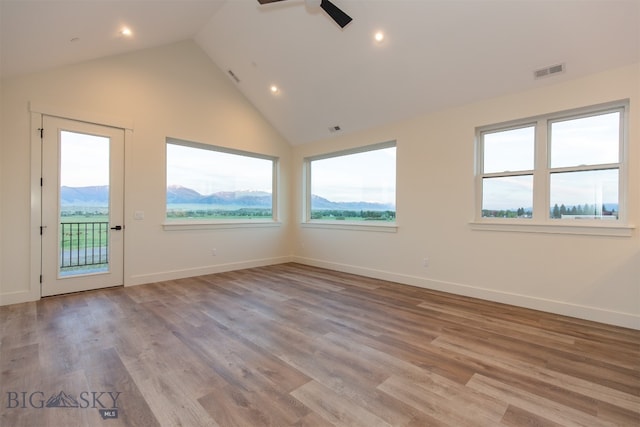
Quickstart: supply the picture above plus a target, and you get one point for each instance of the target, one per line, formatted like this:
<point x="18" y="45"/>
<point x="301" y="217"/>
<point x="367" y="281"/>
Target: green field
<point x="73" y="217"/>
<point x="81" y="235"/>
<point x="350" y="215"/>
<point x="200" y="214"/>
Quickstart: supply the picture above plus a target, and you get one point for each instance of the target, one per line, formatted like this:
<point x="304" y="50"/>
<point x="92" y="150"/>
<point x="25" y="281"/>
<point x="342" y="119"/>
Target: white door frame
<point x="37" y="112"/>
<point x="54" y="280"/>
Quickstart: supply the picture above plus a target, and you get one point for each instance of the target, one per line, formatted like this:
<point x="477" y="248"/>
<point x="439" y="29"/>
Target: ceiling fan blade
<point x="268" y="1"/>
<point x="334" y="12"/>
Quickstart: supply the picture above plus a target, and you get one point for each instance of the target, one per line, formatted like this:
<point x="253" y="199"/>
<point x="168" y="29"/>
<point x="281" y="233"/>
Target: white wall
<point x="176" y="91"/>
<point x="584" y="276"/>
<point x="173" y="91"/>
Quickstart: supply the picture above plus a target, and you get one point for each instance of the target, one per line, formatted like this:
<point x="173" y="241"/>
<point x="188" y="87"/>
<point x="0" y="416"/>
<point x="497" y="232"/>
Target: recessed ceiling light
<point x="378" y="36"/>
<point x="274" y="89"/>
<point x="74" y="39"/>
<point x="126" y="31"/>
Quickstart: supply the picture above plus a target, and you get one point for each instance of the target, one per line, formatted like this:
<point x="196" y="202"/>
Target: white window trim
<point x="215" y="225"/>
<point x="587" y="230"/>
<point x="212" y="224"/>
<point x="540" y="221"/>
<point x="307" y="222"/>
<point x="391" y="227"/>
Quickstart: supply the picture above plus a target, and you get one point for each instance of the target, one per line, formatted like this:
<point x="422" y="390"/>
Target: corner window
<point x="564" y="168"/>
<point x="209" y="183"/>
<point x="355" y="186"/>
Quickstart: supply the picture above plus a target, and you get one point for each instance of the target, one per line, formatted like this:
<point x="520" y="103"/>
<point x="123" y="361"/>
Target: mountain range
<point x="320" y="203"/>
<point x="252" y="199"/>
<point x="99" y="196"/>
<point x="260" y="199"/>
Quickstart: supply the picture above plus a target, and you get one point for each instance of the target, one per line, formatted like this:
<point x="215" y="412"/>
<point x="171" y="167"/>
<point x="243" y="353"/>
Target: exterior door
<point x="82" y="206"/>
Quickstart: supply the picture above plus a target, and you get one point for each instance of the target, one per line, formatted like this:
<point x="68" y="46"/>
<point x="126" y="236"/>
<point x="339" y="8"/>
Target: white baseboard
<point x="140" y="279"/>
<point x="595" y="314"/>
<point x="627" y="320"/>
<point x="18" y="297"/>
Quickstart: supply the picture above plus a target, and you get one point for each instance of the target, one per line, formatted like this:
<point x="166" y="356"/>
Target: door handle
<point x="117" y="227"/>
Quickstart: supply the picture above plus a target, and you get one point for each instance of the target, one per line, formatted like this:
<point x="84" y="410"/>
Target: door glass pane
<point x="84" y="204"/>
<point x="507" y="197"/>
<point x="586" y="141"/>
<point x="585" y="195"/>
<point x="509" y="150"/>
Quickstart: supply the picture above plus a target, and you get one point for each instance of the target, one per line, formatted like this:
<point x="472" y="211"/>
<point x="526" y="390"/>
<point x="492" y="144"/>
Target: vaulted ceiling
<point x="435" y="53"/>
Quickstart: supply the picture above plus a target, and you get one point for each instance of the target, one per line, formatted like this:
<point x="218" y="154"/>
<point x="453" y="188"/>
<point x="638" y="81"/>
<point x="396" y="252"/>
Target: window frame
<point x="541" y="220"/>
<point x="203" y="224"/>
<point x="307" y="221"/>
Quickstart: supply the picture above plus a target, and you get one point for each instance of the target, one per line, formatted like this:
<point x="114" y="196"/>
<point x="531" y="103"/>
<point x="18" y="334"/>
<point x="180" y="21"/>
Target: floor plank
<point x="294" y="345"/>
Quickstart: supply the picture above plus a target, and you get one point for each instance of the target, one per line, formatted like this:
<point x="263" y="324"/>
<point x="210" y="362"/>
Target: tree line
<point x="556" y="211"/>
<point x="586" y="209"/>
<point x="506" y="213"/>
<point x="218" y="213"/>
<point x="340" y="214"/>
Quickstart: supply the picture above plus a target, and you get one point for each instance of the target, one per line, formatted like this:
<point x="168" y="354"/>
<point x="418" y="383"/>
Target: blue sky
<point x="333" y="178"/>
<point x="84" y="160"/>
<point x="580" y="142"/>
<point x="208" y="171"/>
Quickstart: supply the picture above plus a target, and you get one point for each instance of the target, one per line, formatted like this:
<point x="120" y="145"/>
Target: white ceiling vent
<point x="549" y="71"/>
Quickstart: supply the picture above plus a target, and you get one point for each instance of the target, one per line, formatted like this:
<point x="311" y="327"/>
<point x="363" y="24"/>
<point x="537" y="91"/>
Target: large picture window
<point x="353" y="186"/>
<point x="558" y="168"/>
<point x="206" y="182"/>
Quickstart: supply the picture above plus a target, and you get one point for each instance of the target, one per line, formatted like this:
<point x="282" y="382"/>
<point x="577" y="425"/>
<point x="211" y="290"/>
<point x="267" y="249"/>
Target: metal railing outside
<point x="84" y="244"/>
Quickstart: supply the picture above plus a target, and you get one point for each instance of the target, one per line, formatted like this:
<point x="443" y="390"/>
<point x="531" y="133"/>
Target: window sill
<point x="352" y="225"/>
<point x="590" y="229"/>
<point x="215" y="225"/>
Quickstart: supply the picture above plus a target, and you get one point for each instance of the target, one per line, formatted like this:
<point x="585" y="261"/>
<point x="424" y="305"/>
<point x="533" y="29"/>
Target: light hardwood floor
<point x="291" y="345"/>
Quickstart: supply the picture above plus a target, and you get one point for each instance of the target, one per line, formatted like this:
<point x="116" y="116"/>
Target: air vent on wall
<point x="549" y="71"/>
